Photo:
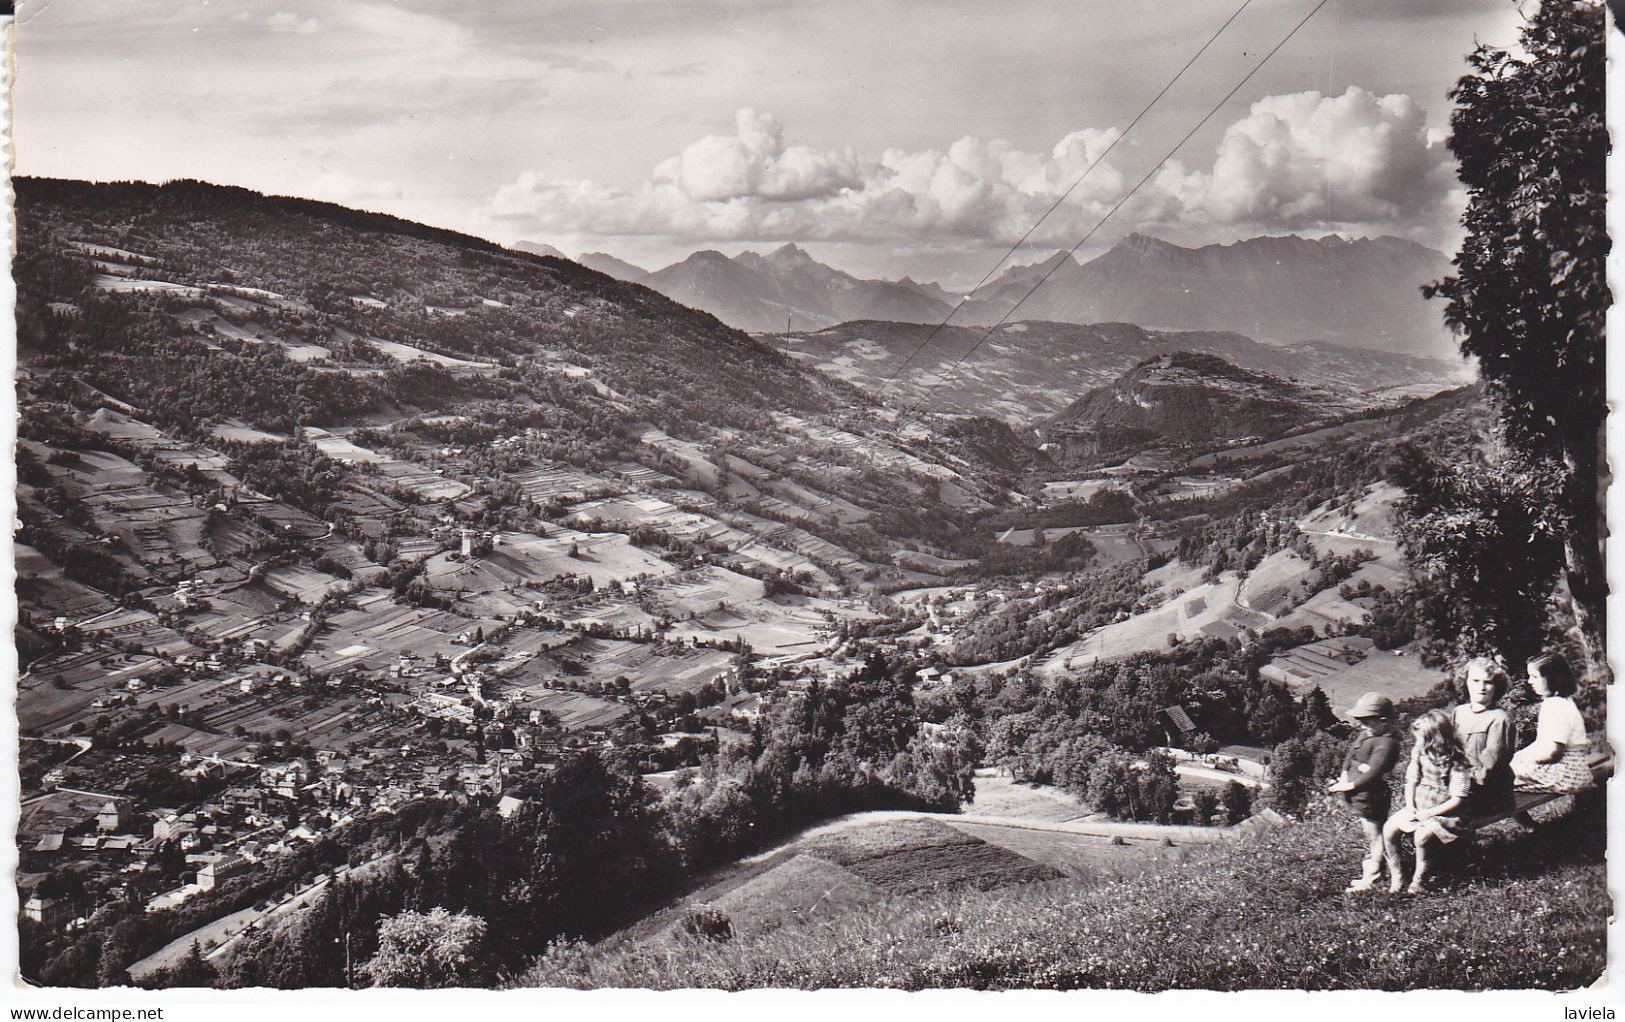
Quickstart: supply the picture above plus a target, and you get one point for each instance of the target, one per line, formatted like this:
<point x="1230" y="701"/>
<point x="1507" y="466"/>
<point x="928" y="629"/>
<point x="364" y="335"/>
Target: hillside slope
<point x="204" y="314"/>
<point x="1513" y="912"/>
<point x="319" y="278"/>
<point x="1029" y="370"/>
<point x="1190" y="397"/>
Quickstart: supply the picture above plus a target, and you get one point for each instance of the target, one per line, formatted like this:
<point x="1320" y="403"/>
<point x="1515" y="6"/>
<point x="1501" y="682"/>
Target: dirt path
<point x="1222" y="776"/>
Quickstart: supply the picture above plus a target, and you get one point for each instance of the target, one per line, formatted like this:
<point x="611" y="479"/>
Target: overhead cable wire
<point x="1064" y="196"/>
<point x="918" y="405"/>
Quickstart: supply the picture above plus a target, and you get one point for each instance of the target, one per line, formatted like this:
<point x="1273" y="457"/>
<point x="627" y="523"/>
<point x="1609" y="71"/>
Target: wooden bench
<point x="1602" y="767"/>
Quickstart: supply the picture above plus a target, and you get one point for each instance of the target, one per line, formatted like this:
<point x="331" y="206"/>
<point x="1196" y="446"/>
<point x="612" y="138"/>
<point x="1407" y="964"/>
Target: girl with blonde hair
<point x="1437" y="782"/>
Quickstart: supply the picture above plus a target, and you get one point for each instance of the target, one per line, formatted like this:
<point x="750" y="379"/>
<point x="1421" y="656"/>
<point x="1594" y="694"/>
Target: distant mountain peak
<point x="790" y="256"/>
<point x="620" y="269"/>
<point x="538" y="248"/>
<point x="1061" y="256"/>
<point x="1135" y="241"/>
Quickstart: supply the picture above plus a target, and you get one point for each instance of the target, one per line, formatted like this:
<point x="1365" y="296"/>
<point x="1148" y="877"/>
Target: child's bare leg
<point x="1371" y="867"/>
<point x="1423" y="841"/>
<point x="1390" y="846"/>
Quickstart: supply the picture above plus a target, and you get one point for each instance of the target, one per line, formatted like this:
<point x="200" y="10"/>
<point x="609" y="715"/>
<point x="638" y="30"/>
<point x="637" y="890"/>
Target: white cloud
<point x="1295" y="162"/>
<point x="754" y="163"/>
<point x="1304" y="159"/>
<point x="283" y="21"/>
<point x="406" y="32"/>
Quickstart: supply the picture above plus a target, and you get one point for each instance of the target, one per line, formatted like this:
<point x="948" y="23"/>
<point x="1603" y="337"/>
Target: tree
<point x="1271" y="713"/>
<point x="112" y="967"/>
<point x="1207" y="806"/>
<point x="1158" y="788"/>
<point x="1122" y="788"/>
<point x="1292" y="775"/>
<point x="1238" y="802"/>
<point x="429" y="950"/>
<point x="1530" y="294"/>
<point x="1111" y="785"/>
<point x="1475" y="527"/>
<point x="1315" y="712"/>
<point x="192" y="971"/>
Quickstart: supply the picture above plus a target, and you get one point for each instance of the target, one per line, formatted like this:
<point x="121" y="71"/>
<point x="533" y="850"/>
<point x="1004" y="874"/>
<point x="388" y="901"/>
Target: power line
<point x="907" y="417"/>
<point x="1064" y="196"/>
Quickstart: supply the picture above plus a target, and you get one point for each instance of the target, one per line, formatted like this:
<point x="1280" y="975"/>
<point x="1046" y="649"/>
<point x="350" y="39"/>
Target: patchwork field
<point x="1301" y="443"/>
<point x="378" y="631"/>
<point x="803" y="887"/>
<point x="424" y="482"/>
<point x="307" y="585"/>
<point x="1207" y="608"/>
<point x="575" y="710"/>
<point x="45" y="704"/>
<point x="1398" y="674"/>
<point x="606" y="557"/>
<point x="406" y="353"/>
<point x="1077" y="489"/>
<point x="42" y="582"/>
<point x="648" y="666"/>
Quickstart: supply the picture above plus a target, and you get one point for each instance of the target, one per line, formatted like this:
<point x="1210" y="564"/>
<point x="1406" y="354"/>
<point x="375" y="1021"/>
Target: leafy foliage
<point x="429" y="950"/>
<point x="1530" y="294"/>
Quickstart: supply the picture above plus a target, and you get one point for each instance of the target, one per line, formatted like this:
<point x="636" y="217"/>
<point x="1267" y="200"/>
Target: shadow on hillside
<point x="1571" y="831"/>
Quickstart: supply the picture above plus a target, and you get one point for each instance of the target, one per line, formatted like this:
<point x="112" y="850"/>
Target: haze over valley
<point x="1362" y="293"/>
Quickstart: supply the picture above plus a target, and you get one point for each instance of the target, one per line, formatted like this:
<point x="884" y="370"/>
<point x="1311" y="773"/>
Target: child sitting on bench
<point x="1437" y="782"/>
<point x="1556" y="760"/>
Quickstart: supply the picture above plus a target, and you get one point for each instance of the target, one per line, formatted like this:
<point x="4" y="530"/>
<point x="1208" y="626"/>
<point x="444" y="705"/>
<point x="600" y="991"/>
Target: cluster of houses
<point x="267" y="810"/>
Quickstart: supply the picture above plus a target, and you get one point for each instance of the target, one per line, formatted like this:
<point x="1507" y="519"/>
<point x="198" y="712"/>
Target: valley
<point x="340" y="535"/>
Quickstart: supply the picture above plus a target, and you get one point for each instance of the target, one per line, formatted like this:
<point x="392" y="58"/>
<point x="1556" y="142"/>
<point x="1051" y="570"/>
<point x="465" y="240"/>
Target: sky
<point x="887" y="137"/>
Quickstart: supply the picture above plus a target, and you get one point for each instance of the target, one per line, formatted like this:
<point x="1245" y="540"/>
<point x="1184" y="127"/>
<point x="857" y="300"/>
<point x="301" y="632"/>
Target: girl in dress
<point x="1556" y="760"/>
<point x="1486" y="734"/>
<point x="1437" y="782"/>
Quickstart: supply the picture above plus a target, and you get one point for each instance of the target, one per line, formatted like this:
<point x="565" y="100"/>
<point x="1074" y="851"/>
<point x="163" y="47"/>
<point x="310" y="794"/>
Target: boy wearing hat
<point x="1364" y="778"/>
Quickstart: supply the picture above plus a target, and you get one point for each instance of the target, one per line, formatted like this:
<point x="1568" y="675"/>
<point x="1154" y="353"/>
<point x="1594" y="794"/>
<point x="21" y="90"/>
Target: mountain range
<point x="786" y="289"/>
<point x="1362" y="293"/>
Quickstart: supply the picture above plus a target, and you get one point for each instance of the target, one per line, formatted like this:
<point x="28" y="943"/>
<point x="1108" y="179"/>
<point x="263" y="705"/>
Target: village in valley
<point x="1055" y="494"/>
<point x="470" y="609"/>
